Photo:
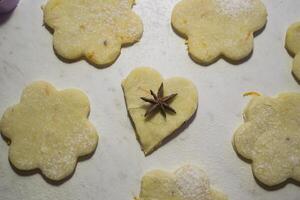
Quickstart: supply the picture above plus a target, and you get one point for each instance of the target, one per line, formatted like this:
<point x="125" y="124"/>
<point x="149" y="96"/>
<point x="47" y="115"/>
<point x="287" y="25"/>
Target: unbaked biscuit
<point x="292" y="43"/>
<point x="151" y="131"/>
<point x="95" y="29"/>
<point x="49" y="130"/>
<point x="215" y="28"/>
<point x="270" y="138"/>
<point x="186" y="183"/>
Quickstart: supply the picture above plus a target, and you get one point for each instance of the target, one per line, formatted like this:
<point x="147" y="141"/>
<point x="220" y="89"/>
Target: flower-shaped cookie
<point x="49" y="130"/>
<point x="152" y="131"/>
<point x="217" y="28"/>
<point x="293" y="46"/>
<point x="95" y="29"/>
<point x="186" y="183"/>
<point x="270" y="137"/>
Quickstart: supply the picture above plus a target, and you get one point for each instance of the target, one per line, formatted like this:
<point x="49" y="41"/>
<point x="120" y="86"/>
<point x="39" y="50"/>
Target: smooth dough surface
<point x="151" y="132"/>
<point x="49" y="130"/>
<point x="215" y="28"/>
<point x="293" y="46"/>
<point x="95" y="29"/>
<point x="186" y="183"/>
<point x="270" y="137"/>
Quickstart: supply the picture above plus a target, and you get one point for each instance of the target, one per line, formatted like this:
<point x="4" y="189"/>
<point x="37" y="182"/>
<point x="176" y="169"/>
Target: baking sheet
<point x="114" y="171"/>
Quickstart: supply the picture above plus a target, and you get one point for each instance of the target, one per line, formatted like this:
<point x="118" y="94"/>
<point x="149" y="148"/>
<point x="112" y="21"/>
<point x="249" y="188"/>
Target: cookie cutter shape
<point x="216" y="28"/>
<point x="292" y="43"/>
<point x="94" y="29"/>
<point x="49" y="130"/>
<point x="151" y="132"/>
<point x="186" y="183"/>
<point x="270" y="138"/>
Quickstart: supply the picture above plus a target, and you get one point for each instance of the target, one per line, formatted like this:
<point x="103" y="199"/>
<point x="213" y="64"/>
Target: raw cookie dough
<point x="270" y="137"/>
<point x="186" y="183"/>
<point x="292" y="43"/>
<point x="95" y="29"/>
<point x="49" y="130"/>
<point x="215" y="28"/>
<point x="152" y="131"/>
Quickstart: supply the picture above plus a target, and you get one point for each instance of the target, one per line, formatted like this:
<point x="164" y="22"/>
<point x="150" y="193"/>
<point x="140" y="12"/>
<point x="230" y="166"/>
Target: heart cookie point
<point x="154" y="130"/>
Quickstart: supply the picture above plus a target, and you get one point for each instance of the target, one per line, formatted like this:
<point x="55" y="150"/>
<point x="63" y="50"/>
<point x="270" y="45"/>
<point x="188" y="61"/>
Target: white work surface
<point x="115" y="170"/>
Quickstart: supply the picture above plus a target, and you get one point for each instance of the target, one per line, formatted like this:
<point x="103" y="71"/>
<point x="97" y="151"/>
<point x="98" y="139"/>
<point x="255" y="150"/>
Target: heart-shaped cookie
<point x="151" y="131"/>
<point x="186" y="183"/>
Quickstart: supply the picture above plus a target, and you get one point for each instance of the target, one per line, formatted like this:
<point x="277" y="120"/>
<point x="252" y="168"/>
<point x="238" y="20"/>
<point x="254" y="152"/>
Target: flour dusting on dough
<point x="188" y="182"/>
<point x="192" y="183"/>
<point x="92" y="29"/>
<point x="270" y="138"/>
<point x="58" y="134"/>
<point x="229" y="26"/>
<point x="234" y="7"/>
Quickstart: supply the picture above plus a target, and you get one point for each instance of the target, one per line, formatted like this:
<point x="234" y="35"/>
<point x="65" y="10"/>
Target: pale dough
<point x="151" y="132"/>
<point x="95" y="29"/>
<point x="215" y="28"/>
<point x="293" y="46"/>
<point x="49" y="130"/>
<point x="270" y="137"/>
<point x="186" y="183"/>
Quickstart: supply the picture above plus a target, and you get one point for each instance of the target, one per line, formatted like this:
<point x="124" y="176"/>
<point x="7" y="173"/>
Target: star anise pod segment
<point x="159" y="102"/>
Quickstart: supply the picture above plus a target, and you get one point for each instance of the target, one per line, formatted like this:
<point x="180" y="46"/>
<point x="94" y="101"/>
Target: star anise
<point x="159" y="102"/>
